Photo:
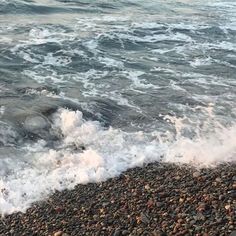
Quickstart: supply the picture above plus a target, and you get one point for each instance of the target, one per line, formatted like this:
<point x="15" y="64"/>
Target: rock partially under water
<point x="36" y="123"/>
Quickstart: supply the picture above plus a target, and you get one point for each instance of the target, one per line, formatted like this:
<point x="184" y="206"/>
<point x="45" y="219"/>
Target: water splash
<point x="90" y="153"/>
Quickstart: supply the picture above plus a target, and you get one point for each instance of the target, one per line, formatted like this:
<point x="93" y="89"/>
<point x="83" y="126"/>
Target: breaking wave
<point x="88" y="152"/>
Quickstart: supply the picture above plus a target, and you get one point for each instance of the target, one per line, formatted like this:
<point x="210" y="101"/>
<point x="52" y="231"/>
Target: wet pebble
<point x="196" y="174"/>
<point x="58" y="233"/>
<point x="34" y="123"/>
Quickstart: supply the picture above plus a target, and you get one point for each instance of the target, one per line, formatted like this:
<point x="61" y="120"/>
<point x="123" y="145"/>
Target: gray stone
<point x="58" y="233"/>
<point x="144" y="218"/>
<point x="196" y="174"/>
<point x="218" y="180"/>
<point x="117" y="232"/>
<point x="35" y="123"/>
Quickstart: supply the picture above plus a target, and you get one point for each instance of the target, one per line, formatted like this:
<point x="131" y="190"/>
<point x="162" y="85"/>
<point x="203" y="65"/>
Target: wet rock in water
<point x="38" y="127"/>
<point x="35" y="123"/>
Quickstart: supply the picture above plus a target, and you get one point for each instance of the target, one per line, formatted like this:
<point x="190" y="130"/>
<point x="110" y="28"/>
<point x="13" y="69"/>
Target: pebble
<point x="218" y="180"/>
<point x="177" y="177"/>
<point x="150" y="203"/>
<point x="196" y="174"/>
<point x="144" y="218"/>
<point x="58" y="233"/>
<point x="158" y="233"/>
<point x="117" y="232"/>
<point x="147" y="187"/>
<point x="125" y="232"/>
<point x="201" y="206"/>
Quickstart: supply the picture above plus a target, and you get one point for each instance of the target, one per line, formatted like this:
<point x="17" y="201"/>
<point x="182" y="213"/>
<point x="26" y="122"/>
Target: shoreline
<point x="158" y="199"/>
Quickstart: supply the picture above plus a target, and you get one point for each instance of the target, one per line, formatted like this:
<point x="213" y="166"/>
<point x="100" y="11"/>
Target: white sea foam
<point x="201" y="62"/>
<point x="108" y="153"/>
<point x="50" y="59"/>
<point x="212" y="143"/>
<point x="157" y="37"/>
<point x="91" y="44"/>
<point x="39" y="77"/>
<point x="2" y="110"/>
<point x="39" y="36"/>
<point x="116" y="96"/>
<point x="110" y="62"/>
<point x="137" y="81"/>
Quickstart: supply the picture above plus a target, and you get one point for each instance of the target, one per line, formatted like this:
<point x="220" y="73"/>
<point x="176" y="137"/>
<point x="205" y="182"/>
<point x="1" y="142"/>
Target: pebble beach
<point x="158" y="199"/>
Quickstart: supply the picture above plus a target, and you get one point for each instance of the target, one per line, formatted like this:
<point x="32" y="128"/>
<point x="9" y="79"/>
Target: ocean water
<point x="89" y="89"/>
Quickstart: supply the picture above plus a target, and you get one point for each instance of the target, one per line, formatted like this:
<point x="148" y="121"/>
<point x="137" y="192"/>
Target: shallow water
<point x="89" y="90"/>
